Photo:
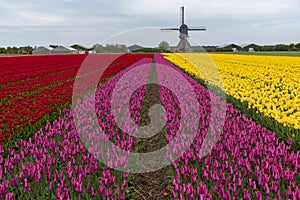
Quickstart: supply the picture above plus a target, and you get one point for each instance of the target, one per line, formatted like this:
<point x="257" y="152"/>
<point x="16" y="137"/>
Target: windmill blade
<point x="169" y="29"/>
<point x="198" y="28"/>
<point x="182" y="14"/>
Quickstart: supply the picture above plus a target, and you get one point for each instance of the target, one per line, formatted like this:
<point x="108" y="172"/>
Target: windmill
<point x="184" y="45"/>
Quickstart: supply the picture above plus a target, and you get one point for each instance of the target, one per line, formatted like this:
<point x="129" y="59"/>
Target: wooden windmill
<point x="184" y="45"/>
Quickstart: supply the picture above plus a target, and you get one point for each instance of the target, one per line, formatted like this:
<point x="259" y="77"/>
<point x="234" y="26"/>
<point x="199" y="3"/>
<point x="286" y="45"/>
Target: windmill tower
<point x="184" y="45"/>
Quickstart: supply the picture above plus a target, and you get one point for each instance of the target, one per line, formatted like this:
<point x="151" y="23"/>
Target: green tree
<point x="12" y="50"/>
<point x="123" y="48"/>
<point x="164" y="45"/>
<point x="291" y="47"/>
<point x="2" y="50"/>
<point x="99" y="49"/>
<point x="298" y="45"/>
<point x="28" y="49"/>
<point x="281" y="47"/>
<point x="115" y="48"/>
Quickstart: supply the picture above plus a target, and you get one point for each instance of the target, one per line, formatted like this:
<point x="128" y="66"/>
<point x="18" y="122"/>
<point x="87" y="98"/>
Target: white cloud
<point x="213" y="8"/>
<point x="26" y="14"/>
<point x="253" y="8"/>
<point x="92" y="21"/>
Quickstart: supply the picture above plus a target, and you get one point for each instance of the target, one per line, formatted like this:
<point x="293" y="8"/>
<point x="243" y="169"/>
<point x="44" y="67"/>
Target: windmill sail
<point x="197" y="28"/>
<point x="184" y="45"/>
<point x="170" y="29"/>
<point x="182" y="14"/>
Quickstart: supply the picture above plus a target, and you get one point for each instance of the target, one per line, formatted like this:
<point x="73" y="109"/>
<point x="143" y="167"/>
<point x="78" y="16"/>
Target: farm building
<point x="230" y="47"/>
<point x="41" y="50"/>
<point x="79" y="49"/>
<point x="134" y="48"/>
<point x="53" y="46"/>
<point x="250" y="47"/>
<point x="22" y="50"/>
<point x="61" y="50"/>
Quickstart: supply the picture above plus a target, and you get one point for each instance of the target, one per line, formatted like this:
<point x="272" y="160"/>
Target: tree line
<point x="16" y="50"/>
<point x="162" y="46"/>
<point x="277" y="47"/>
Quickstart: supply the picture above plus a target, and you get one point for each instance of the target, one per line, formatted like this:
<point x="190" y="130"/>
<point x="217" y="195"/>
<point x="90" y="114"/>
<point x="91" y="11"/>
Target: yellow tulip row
<point x="270" y="84"/>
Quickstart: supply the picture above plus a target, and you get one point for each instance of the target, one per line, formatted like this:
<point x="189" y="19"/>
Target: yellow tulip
<point x="269" y="83"/>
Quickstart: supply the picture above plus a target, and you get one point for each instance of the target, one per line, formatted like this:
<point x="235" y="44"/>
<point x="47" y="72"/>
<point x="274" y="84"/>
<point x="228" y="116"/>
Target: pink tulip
<point x="100" y="189"/>
<point x="92" y="193"/>
<point x="1" y="173"/>
<point x="88" y="188"/>
<point x="50" y="185"/>
<point x="1" y="149"/>
<point x="27" y="188"/>
<point x="258" y="195"/>
<point x="9" y="196"/>
<point x="14" y="181"/>
<point x="246" y="195"/>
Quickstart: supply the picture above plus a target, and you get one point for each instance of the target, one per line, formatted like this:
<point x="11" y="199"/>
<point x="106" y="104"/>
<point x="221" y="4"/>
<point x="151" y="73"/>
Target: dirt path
<point x="151" y="185"/>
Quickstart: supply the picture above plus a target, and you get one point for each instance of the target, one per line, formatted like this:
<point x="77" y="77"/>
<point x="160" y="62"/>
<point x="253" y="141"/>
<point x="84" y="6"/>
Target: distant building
<point x="61" y="50"/>
<point x="22" y="50"/>
<point x="53" y="46"/>
<point x="250" y="47"/>
<point x="230" y="47"/>
<point x="79" y="49"/>
<point x="134" y="48"/>
<point x="41" y="50"/>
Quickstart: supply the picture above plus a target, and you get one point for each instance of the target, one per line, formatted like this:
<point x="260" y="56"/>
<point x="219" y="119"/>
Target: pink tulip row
<point x="110" y="101"/>
<point x="56" y="158"/>
<point x="247" y="162"/>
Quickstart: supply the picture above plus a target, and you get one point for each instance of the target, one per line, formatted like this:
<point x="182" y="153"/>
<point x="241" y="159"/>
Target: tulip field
<point x="267" y="85"/>
<point x="256" y="155"/>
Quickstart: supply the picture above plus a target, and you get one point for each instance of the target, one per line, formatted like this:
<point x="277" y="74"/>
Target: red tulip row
<point x="55" y="163"/>
<point x="33" y="87"/>
<point x="21" y="68"/>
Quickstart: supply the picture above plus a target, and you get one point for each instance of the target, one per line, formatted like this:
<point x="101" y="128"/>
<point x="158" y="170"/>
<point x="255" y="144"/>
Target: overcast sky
<point x="87" y="22"/>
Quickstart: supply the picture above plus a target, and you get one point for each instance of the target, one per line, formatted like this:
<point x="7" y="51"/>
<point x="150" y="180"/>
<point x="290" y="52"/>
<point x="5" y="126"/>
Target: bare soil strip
<point x="151" y="185"/>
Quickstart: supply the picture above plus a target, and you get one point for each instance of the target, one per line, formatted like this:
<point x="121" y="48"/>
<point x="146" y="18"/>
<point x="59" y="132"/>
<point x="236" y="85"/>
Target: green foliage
<point x="164" y="45"/>
<point x="16" y="50"/>
<point x="111" y="48"/>
<point x="2" y="50"/>
<point x="223" y="50"/>
<point x="149" y="50"/>
<point x="281" y="47"/>
<point x="31" y="129"/>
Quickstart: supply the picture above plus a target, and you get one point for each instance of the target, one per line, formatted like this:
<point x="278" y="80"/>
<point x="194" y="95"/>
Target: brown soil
<point x="151" y="185"/>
